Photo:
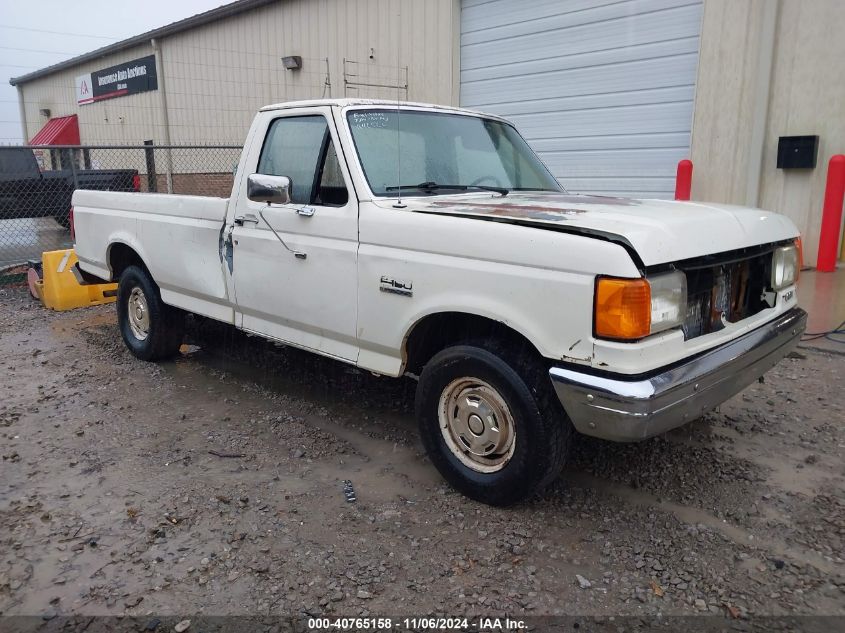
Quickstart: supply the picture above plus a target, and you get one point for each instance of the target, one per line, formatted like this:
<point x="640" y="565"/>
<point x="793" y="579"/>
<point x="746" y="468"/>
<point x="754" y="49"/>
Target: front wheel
<point x="490" y="422"/>
<point x="151" y="329"/>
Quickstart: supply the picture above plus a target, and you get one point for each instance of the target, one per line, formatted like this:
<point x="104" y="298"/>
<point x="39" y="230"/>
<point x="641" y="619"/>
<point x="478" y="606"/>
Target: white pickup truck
<point x="523" y="311"/>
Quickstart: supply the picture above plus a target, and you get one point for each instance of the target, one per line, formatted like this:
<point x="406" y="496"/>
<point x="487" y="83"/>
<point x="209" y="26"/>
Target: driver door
<point x="294" y="267"/>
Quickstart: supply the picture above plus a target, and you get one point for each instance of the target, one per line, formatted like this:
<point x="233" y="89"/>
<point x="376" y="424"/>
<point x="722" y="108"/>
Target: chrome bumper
<point x="614" y="407"/>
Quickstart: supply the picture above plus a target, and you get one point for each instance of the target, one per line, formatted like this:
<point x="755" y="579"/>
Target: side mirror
<point x="269" y="189"/>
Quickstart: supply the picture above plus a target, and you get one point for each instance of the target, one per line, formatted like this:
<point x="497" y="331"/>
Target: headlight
<point x="784" y="267"/>
<point x="668" y="300"/>
<point x="635" y="308"/>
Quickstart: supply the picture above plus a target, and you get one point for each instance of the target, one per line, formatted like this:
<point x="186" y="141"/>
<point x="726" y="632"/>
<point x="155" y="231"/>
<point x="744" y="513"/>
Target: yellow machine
<point x="58" y="289"/>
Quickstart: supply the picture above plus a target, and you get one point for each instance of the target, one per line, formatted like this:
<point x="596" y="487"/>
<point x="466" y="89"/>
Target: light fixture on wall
<point x="292" y="62"/>
<point x="44" y="112"/>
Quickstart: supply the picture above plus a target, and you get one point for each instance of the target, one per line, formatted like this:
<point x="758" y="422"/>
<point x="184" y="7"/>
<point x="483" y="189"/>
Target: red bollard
<point x="683" y="180"/>
<point x="834" y="194"/>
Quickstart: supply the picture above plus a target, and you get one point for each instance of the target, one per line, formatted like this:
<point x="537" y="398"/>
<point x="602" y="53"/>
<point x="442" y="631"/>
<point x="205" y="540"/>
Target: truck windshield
<point x="442" y="153"/>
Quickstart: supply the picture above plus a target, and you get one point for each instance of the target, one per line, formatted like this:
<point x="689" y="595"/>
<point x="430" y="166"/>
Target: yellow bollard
<point x="59" y="289"/>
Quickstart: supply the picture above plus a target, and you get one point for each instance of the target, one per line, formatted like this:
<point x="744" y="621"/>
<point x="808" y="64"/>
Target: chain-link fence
<point x="37" y="183"/>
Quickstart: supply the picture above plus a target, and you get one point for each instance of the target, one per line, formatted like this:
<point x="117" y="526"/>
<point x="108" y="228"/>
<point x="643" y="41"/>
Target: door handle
<point x="306" y="211"/>
<point x="241" y="219"/>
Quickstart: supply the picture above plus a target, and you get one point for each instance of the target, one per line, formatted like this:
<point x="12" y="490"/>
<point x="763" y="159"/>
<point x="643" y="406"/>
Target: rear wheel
<point x="151" y="329"/>
<point x="490" y="422"/>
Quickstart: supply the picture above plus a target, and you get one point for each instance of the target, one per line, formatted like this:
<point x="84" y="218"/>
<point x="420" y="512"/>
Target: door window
<point x="301" y="149"/>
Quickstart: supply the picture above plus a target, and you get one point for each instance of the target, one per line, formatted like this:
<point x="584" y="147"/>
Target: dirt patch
<point x="214" y="484"/>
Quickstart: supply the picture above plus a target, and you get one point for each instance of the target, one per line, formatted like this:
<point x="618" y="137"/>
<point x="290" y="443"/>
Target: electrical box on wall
<point x="797" y="152"/>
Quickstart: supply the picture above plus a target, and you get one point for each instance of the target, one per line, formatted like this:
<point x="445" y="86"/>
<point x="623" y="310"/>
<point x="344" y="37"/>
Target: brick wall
<point x="213" y="184"/>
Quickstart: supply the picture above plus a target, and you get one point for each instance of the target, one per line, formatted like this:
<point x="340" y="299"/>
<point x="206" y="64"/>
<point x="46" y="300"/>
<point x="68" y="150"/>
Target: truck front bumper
<point x="625" y="409"/>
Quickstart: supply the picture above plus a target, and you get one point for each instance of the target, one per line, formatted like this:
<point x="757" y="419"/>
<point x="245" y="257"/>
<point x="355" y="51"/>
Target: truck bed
<point x="27" y="192"/>
<point x="177" y="236"/>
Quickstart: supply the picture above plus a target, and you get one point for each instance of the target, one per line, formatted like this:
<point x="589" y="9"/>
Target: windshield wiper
<point x="430" y="186"/>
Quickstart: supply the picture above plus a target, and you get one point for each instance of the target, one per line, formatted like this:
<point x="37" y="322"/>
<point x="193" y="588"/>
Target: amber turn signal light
<point x="623" y="308"/>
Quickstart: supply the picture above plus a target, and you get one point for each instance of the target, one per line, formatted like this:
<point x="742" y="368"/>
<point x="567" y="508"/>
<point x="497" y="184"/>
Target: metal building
<point x="215" y="69"/>
<point x="611" y="93"/>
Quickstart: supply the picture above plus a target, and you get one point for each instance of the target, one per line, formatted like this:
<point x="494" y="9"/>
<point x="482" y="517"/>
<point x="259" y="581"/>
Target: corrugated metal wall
<point x="602" y="90"/>
<point x="136" y="117"/>
<point x="217" y="75"/>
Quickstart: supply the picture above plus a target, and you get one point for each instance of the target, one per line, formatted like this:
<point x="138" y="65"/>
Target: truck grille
<point x="727" y="292"/>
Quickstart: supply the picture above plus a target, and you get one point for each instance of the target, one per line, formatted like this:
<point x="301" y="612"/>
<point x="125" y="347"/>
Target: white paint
<point x="536" y="281"/>
<point x="310" y="302"/>
<point x="63" y="262"/>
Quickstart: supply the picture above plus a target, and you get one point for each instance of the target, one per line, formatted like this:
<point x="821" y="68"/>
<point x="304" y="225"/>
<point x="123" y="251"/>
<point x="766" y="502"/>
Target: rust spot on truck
<point x="507" y="210"/>
<point x="548" y="207"/>
<point x="547" y="201"/>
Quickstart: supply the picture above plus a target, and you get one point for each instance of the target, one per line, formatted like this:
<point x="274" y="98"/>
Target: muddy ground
<point x="113" y="500"/>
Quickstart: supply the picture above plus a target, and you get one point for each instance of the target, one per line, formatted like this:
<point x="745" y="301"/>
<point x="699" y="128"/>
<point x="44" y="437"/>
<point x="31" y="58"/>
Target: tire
<point x="511" y="384"/>
<point x="154" y="330"/>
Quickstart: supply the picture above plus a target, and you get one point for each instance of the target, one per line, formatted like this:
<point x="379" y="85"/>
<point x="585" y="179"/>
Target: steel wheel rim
<point x="138" y="313"/>
<point x="477" y="424"/>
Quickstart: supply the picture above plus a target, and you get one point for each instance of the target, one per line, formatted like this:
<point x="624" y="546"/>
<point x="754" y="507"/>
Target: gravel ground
<point x="214" y="484"/>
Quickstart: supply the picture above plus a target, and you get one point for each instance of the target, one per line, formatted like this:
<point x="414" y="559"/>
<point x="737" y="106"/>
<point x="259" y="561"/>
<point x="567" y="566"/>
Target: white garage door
<point x="602" y="90"/>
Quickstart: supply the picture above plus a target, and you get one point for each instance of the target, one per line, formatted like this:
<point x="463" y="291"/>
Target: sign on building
<point x="138" y="75"/>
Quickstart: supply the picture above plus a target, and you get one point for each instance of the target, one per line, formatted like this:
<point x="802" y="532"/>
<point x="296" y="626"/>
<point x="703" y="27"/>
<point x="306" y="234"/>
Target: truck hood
<point x="660" y="231"/>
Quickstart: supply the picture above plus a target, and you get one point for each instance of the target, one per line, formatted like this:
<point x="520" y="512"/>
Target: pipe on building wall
<point x="162" y="91"/>
<point x="762" y="97"/>
<point x="456" y="53"/>
<point x="22" y="114"/>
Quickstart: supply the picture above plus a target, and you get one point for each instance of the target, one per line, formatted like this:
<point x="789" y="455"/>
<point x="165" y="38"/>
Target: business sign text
<point x="138" y="75"/>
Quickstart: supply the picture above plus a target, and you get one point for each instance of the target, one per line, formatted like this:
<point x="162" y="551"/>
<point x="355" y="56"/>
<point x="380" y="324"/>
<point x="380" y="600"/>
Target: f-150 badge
<point x="397" y="287"/>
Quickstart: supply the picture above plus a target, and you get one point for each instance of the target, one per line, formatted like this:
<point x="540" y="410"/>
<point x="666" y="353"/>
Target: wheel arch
<point x="120" y="255"/>
<point x="437" y="330"/>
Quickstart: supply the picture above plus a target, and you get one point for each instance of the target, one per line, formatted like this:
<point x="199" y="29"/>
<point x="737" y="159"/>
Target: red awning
<point x="63" y="130"/>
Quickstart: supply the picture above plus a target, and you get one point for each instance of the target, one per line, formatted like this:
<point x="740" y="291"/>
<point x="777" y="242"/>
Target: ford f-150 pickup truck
<point x="431" y="242"/>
